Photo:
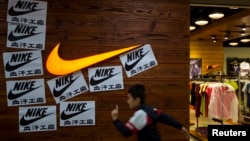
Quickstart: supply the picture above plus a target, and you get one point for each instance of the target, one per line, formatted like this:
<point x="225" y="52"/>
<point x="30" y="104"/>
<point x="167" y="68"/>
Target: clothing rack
<point x="214" y="78"/>
<point x="222" y="78"/>
<point x="204" y="80"/>
<point x="218" y="120"/>
<point x="245" y="112"/>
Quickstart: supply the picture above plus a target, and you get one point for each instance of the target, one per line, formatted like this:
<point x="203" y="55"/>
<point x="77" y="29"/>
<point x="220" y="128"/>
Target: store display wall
<point x="210" y="53"/>
<point x="235" y="53"/>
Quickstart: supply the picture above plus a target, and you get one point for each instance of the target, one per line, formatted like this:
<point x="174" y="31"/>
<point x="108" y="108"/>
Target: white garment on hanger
<point x="223" y="103"/>
<point x="244" y="68"/>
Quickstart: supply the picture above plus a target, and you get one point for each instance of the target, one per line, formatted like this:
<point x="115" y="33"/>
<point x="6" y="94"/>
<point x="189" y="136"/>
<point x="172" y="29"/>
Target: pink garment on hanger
<point x="223" y="103"/>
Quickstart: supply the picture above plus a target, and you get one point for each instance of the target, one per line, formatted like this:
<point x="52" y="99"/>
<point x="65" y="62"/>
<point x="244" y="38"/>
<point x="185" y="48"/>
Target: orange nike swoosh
<point x="58" y="66"/>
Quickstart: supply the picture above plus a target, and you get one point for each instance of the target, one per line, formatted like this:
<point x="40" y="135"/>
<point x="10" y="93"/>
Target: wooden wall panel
<point x="85" y="27"/>
<point x="210" y="53"/>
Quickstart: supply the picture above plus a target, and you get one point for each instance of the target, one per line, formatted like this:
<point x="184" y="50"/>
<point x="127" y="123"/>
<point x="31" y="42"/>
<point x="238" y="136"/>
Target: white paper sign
<point x="138" y="60"/>
<point x="37" y="118"/>
<point x="67" y="86"/>
<point x="25" y="92"/>
<point x="105" y="78"/>
<point x="22" y="64"/>
<point x="26" y="36"/>
<point x="81" y="113"/>
<point x="27" y="12"/>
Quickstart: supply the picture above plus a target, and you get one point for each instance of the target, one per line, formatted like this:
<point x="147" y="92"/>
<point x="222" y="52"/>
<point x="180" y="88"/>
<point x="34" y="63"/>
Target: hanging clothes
<point x="233" y="83"/>
<point x="202" y="98"/>
<point x="194" y="88"/>
<point x="246" y="91"/>
<point x="223" y="102"/>
<point x="192" y="92"/>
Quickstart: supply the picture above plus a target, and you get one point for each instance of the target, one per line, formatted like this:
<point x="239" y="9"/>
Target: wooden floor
<point x="196" y="136"/>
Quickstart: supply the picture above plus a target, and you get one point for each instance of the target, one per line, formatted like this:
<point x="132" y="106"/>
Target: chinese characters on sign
<point x="26" y="36"/>
<point x="105" y="78"/>
<point x="27" y="12"/>
<point x="138" y="60"/>
<point x="67" y="86"/>
<point x="25" y="92"/>
<point x="81" y="113"/>
<point x="22" y="64"/>
<point x="37" y="118"/>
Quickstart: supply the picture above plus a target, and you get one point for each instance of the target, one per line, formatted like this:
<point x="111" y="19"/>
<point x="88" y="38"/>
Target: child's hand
<point x="114" y="113"/>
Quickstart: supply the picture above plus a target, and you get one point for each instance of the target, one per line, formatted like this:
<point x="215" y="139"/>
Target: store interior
<point x="219" y="86"/>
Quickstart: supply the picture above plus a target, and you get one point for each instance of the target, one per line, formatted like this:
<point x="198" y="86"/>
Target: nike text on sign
<point x="58" y="66"/>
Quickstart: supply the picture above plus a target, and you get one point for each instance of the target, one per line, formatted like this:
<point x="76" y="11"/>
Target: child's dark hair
<point x="138" y="91"/>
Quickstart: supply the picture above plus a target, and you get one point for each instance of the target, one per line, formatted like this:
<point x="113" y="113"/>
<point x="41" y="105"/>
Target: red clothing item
<point x="208" y="95"/>
<point x="198" y="101"/>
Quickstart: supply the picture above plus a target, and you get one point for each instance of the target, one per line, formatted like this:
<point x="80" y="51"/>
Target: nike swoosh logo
<point x="69" y="66"/>
<point x="13" y="12"/>
<point x="12" y="37"/>
<point x="12" y="96"/>
<point x="131" y="66"/>
<point x="94" y="82"/>
<point x="24" y="121"/>
<point x="9" y="67"/>
<point x="65" y="116"/>
<point x="57" y="93"/>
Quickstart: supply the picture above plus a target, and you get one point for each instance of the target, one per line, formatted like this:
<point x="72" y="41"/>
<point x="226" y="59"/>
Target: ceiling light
<point x="226" y="37"/>
<point x="216" y="15"/>
<point x="233" y="43"/>
<point x="192" y="27"/>
<point x="233" y="7"/>
<point x="242" y="33"/>
<point x="201" y="22"/>
<point x="245" y="40"/>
